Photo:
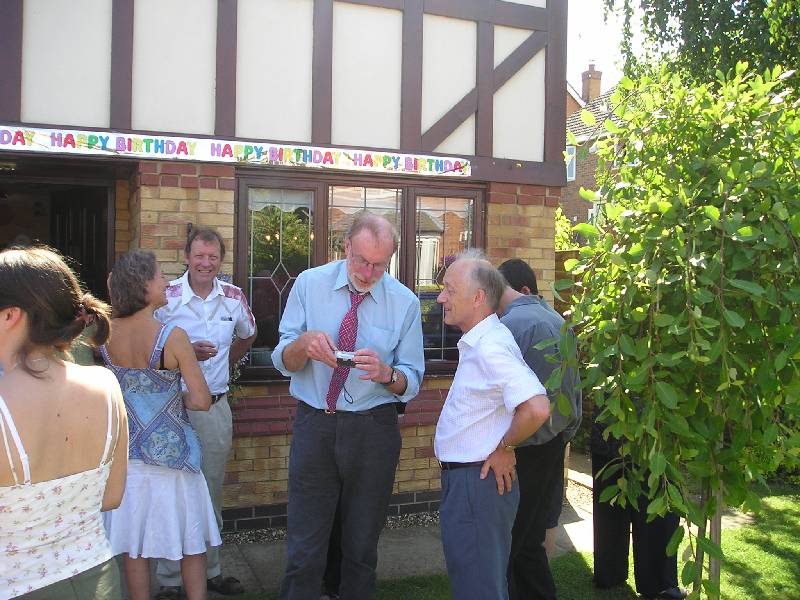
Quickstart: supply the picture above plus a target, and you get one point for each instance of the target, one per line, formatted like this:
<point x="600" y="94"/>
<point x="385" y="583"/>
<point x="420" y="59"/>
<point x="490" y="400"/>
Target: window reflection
<point x="347" y="202"/>
<point x="444" y="229"/>
<point x="281" y="235"/>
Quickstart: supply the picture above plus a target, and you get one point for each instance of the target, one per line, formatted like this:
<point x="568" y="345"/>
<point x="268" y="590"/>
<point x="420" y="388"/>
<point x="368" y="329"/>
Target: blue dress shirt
<point x="389" y="324"/>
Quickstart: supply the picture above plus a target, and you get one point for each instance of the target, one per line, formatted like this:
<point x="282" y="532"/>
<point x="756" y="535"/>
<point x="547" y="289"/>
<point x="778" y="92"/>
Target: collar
<point x="377" y="293"/>
<point x="524" y="300"/>
<point x="187" y="293"/>
<point x="474" y="335"/>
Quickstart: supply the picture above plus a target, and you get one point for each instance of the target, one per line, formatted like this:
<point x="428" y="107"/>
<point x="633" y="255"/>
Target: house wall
<point x="576" y="208"/>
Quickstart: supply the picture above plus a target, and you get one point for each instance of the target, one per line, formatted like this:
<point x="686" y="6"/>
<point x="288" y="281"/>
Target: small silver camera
<point x="345" y="359"/>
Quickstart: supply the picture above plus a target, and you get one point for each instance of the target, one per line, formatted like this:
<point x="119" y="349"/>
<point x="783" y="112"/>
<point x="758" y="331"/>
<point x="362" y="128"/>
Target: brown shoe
<point x="227" y="586"/>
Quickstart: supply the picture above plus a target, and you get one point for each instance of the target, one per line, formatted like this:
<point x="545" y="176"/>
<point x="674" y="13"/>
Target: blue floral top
<point x="160" y="432"/>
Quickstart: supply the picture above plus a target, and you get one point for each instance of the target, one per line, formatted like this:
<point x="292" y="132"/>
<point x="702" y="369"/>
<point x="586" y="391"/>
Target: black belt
<point x="449" y="466"/>
<point x="217" y="397"/>
<point x="369" y="411"/>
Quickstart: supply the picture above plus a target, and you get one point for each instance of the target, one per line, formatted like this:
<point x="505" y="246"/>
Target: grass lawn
<point x="762" y="561"/>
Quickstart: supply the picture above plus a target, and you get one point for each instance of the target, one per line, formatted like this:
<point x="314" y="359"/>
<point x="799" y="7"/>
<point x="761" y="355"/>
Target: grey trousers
<point x="215" y="430"/>
<point x="352" y="456"/>
<point x="476" y="524"/>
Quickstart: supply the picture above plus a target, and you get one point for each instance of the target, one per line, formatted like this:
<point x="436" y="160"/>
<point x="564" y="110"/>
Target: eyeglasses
<point x="359" y="262"/>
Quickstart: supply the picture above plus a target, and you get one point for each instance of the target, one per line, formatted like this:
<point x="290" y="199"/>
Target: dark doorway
<point x="72" y="218"/>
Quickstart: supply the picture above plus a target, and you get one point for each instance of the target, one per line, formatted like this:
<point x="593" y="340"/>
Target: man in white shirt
<point x="222" y="328"/>
<point x="494" y="403"/>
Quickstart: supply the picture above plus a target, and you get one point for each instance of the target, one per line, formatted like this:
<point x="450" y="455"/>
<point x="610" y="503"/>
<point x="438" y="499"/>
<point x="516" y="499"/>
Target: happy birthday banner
<point x="107" y="143"/>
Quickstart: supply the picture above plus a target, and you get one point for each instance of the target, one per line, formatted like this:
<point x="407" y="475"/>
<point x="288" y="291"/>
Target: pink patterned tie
<point x="347" y="343"/>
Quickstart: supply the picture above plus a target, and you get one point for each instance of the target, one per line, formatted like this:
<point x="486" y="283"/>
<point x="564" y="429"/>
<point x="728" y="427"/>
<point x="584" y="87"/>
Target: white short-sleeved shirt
<point x="492" y="379"/>
<point x="216" y="319"/>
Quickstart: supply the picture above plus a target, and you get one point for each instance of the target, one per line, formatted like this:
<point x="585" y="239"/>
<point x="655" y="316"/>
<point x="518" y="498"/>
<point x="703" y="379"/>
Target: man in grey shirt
<point x="540" y="458"/>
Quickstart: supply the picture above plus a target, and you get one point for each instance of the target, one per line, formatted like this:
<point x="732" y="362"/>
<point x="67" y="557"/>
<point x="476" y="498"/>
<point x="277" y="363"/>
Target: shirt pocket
<point x="225" y="331"/>
<point x="382" y="342"/>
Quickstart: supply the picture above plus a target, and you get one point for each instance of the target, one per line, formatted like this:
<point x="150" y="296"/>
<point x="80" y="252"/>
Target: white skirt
<point x="165" y="513"/>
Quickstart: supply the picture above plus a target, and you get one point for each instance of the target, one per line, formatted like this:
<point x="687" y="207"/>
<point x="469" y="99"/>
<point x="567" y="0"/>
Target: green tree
<point x="709" y="35"/>
<point x="279" y="237"/>
<point x="563" y="228"/>
<point x="688" y="296"/>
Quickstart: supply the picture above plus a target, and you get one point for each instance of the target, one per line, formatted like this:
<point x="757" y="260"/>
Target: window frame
<point x="320" y="184"/>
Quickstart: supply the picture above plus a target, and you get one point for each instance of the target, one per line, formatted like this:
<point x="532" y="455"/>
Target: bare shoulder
<point x="92" y="378"/>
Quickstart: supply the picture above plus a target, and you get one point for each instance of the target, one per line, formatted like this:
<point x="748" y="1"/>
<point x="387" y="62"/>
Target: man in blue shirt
<point x="540" y="458"/>
<point x="346" y="440"/>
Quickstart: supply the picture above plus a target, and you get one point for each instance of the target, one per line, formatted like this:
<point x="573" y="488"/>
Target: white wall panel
<point x="174" y="65"/>
<point x="519" y="113"/>
<point x="367" y="57"/>
<point x="273" y="91"/>
<point x="506" y="40"/>
<point x="448" y="65"/>
<point x="461" y="141"/>
<point x="66" y="62"/>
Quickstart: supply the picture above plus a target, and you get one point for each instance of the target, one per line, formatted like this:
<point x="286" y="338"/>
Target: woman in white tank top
<point x="63" y="436"/>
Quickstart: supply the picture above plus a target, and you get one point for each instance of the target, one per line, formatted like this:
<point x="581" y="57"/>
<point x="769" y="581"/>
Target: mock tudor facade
<point x="274" y="121"/>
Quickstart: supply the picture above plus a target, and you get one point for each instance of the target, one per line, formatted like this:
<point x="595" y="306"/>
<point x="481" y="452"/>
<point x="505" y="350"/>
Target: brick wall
<point x="576" y="208"/>
<point x="256" y="478"/>
<point x="521" y="224"/>
<point x="172" y="194"/>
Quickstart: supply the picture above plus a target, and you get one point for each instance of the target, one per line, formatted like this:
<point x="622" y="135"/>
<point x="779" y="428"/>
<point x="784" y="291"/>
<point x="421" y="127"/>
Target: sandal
<point x="227" y="586"/>
<point x="169" y="592"/>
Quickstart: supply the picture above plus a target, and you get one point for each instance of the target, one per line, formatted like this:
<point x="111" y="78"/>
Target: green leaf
<point x="571" y="139"/>
<point x="748" y="286"/>
<point x="570" y="264"/>
<point x="563" y="284"/>
<point x="712" y="212"/>
<point x="588" y="195"/>
<point x="588" y="118"/>
<point x="547" y="343"/>
<point x="688" y="572"/>
<point x="563" y="404"/>
<point x="612" y="127"/>
<point x="733" y="318"/>
<point x="609" y="493"/>
<point x="667" y="394"/>
<point x="626" y="345"/>
<point x="662" y="320"/>
<point x="658" y="463"/>
<point x="587" y="230"/>
<point x="675" y="541"/>
<point x="710" y="548"/>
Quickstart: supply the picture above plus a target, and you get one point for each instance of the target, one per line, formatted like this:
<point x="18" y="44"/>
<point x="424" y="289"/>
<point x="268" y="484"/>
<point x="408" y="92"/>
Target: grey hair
<point x="377" y="225"/>
<point x="129" y="278"/>
<point x="484" y="276"/>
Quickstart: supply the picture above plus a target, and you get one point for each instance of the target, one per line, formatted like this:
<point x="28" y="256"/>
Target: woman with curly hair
<point x="166" y="511"/>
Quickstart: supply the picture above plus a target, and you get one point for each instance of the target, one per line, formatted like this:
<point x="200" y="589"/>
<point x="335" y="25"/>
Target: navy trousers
<point x="338" y="458"/>
<point x="476" y="524"/>
<point x="654" y="571"/>
<point x="539" y="470"/>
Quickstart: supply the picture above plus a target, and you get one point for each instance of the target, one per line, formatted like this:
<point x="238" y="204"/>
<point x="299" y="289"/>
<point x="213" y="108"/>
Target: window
<point x="570" y="159"/>
<point x="287" y="225"/>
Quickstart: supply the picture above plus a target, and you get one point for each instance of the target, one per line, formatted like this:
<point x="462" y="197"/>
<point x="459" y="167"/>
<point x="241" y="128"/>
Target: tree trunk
<point x="699" y="556"/>
<point x="716" y="538"/>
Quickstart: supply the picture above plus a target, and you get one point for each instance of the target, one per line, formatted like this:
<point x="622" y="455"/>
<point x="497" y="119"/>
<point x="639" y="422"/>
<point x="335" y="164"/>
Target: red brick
<point x="551" y="202"/>
<point x="499" y="252"/>
<point x="533" y="190"/>
<point x="148" y="179"/>
<point x="187" y="181"/>
<point x="159" y="230"/>
<point x="502" y="198"/>
<point x="217" y="170"/>
<point x="424" y="453"/>
<point x="176" y="168"/>
<point x="554" y="191"/>
<point x="531" y="200"/>
<point x="209" y="183"/>
<point x="226" y="184"/>
<point x="169" y="180"/>
<point x="148" y="167"/>
<point x="428" y="419"/>
<point x="503" y="188"/>
<point x="173" y="244"/>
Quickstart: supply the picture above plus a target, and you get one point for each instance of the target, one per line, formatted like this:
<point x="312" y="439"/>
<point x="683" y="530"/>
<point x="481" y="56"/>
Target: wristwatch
<point x="393" y="379"/>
